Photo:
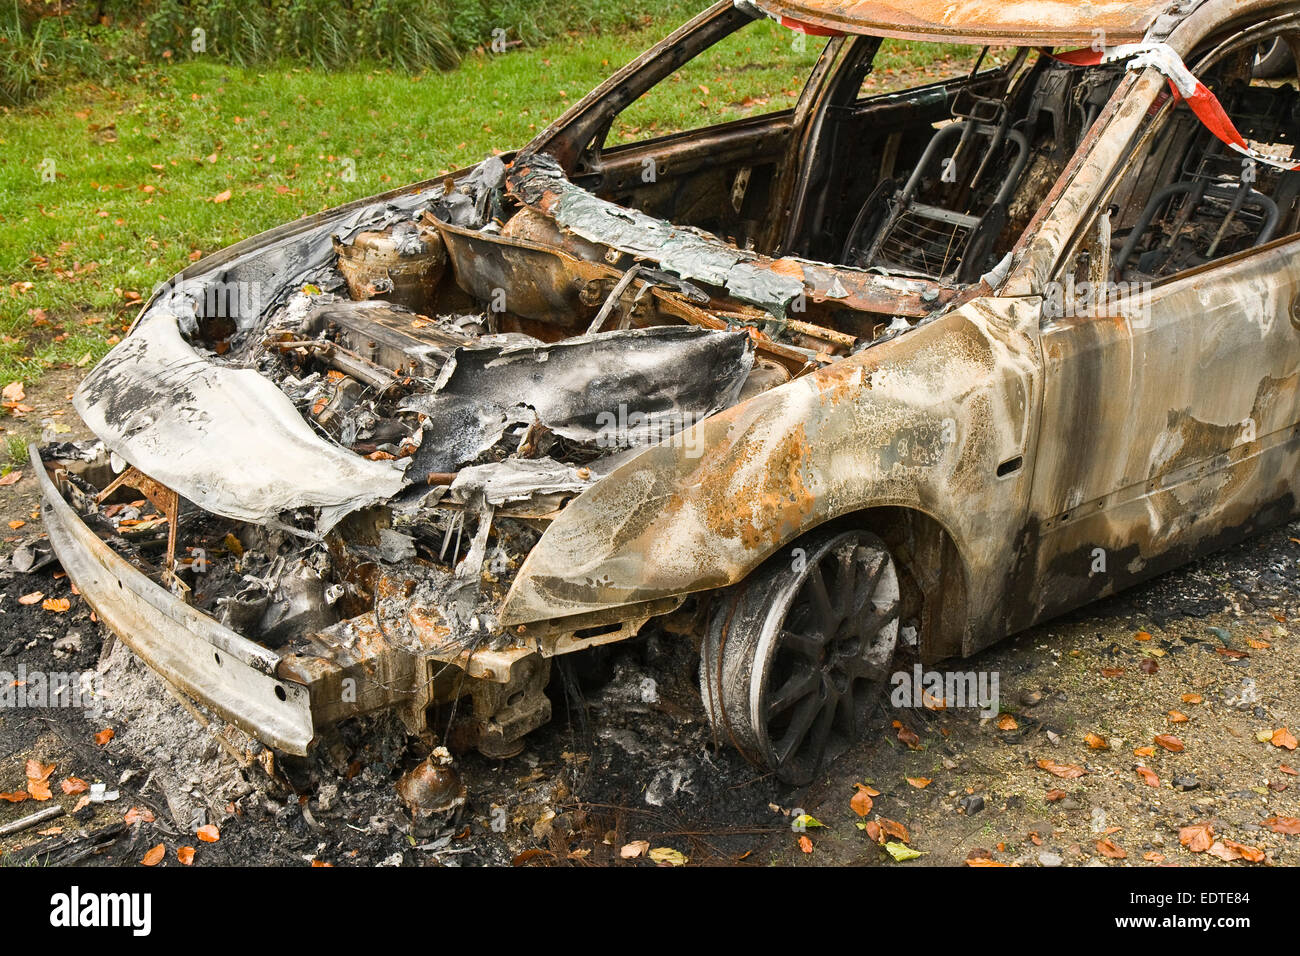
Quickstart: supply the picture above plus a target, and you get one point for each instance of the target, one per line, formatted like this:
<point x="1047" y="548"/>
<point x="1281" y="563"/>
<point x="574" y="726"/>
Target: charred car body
<point x="922" y="367"/>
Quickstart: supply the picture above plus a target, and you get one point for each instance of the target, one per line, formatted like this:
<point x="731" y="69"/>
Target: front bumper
<point x="232" y="675"/>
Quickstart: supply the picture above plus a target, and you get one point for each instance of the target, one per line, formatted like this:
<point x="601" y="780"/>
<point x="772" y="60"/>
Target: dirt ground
<point x="1206" y="654"/>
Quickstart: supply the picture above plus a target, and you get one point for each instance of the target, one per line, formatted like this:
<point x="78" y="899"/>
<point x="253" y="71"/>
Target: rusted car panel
<point x="474" y="425"/>
<point x="976" y="21"/>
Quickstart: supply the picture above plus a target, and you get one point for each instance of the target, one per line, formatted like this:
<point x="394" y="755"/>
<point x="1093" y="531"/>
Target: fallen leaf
<point x="1286" y="769"/>
<point x="873" y="831"/>
<point x="15" y="525"/>
<point x="1007" y="722"/>
<point x="1068" y="771"/>
<point x="805" y="844"/>
<point x="1142" y="636"/>
<point x="1111" y="671"/>
<point x="16" y="796"/>
<point x="1151" y="856"/>
<point x="861" y="803"/>
<point x="1096" y="741"/>
<point x="74" y="785"/>
<point x="186" y="855"/>
<point x="208" y="833"/>
<point x="1148" y="777"/>
<point x="666" y="854"/>
<point x="222" y="196"/>
<point x="1229" y="652"/>
<point x="919" y="782"/>
<point x="11" y="479"/>
<point x="1222" y="852"/>
<point x="1284" y="738"/>
<point x="984" y="861"/>
<point x="1170" y="743"/>
<point x="804" y="821"/>
<point x="1148" y="666"/>
<point x="1147" y="751"/>
<point x="1192" y="698"/>
<point x="154" y="856"/>
<point x="894" y="829"/>
<point x="1287" y="825"/>
<point x="1250" y="854"/>
<point x="35" y="770"/>
<point x="1258" y="645"/>
<point x="630" y="851"/>
<point x="900" y="852"/>
<point x="1177" y="717"/>
<point x="1197" y="837"/>
<point x="13" y="392"/>
<point x="909" y="737"/>
<point x="31" y="598"/>
<point x="137" y="815"/>
<point x="57" y="605"/>
<point x="104" y="736"/>
<point x="1111" y="849"/>
<point x="1053" y="795"/>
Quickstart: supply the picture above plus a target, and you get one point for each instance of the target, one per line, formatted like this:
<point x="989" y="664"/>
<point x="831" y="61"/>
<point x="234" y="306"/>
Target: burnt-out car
<point x="910" y="369"/>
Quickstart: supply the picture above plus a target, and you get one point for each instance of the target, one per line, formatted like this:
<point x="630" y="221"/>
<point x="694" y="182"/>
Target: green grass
<point x="138" y="162"/>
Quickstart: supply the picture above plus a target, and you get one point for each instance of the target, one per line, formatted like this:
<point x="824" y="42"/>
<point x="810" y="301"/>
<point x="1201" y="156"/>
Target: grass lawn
<point x="107" y="190"/>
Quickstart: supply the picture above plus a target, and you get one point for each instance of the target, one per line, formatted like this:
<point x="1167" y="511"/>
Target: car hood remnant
<point x="608" y="390"/>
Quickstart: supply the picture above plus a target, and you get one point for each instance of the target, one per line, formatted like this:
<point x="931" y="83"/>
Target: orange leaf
<point x="1148" y="777"/>
<point x="861" y="803"/>
<point x="35" y="770"/>
<point x="1142" y="636"/>
<point x="1192" y="698"/>
<point x="1287" y="825"/>
<point x="1007" y="722"/>
<point x="1197" y="837"/>
<point x="1053" y="795"/>
<point x="1177" y="717"/>
<point x="1285" y="769"/>
<point x="154" y="856"/>
<point x="1170" y="743"/>
<point x="104" y="736"/>
<point x="74" y="785"/>
<point x="1111" y="671"/>
<point x="984" y="861"/>
<point x="873" y="831"/>
<point x="1066" y="770"/>
<point x="1096" y="741"/>
<point x="185" y="854"/>
<point x="1284" y="738"/>
<point x="222" y="196"/>
<point x="57" y="605"/>
<point x="805" y="844"/>
<point x="1111" y="849"/>
<point x="909" y="737"/>
<point x="894" y="829"/>
<point x="16" y="796"/>
<point x="919" y="782"/>
<point x="136" y="815"/>
<point x="1250" y="854"/>
<point x="1147" y="751"/>
<point x="208" y="833"/>
<point x="1153" y="857"/>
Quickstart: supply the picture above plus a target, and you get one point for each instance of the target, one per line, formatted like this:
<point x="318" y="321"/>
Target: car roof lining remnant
<point x="1019" y="23"/>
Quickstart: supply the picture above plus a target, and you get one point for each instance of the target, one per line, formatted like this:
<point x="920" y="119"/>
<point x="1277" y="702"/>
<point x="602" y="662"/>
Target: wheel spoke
<point x="803" y="718"/>
<point x="848" y="575"/>
<point x="821" y="600"/>
<point x="822" y="729"/>
<point x="799" y="685"/>
<point x="806" y="645"/>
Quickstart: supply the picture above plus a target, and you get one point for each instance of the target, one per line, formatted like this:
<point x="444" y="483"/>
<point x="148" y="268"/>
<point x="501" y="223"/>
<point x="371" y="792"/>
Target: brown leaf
<point x="137" y="815"/>
<point x="208" y="833"/>
<point x="74" y="785"/>
<point x="1192" y="698"/>
<point x="1007" y="722"/>
<point x="1218" y="849"/>
<point x="1141" y="636"/>
<point x="1148" y="777"/>
<point x="1287" y="825"/>
<point x="894" y="829"/>
<point x="1230" y="652"/>
<point x="984" y="861"/>
<point x="919" y="782"/>
<point x="222" y="196"/>
<point x="1147" y="751"/>
<point x="1066" y="770"/>
<point x="104" y="736"/>
<point x="861" y="803"/>
<point x="35" y="770"/>
<point x="1053" y="795"/>
<point x="154" y="856"/>
<point x="1285" y="769"/>
<point x="1284" y="738"/>
<point x="1177" y="717"/>
<point x="13" y="392"/>
<point x="1250" y="854"/>
<point x="1151" y="856"/>
<point x="873" y="832"/>
<point x="909" y="737"/>
<point x="1170" y="743"/>
<point x="57" y="605"/>
<point x="1148" y="666"/>
<point x="1197" y="837"/>
<point x="11" y="479"/>
<point x="185" y="854"/>
<point x="630" y="851"/>
<point x="1096" y="741"/>
<point x="32" y="598"/>
<point x="1111" y="849"/>
<point x="1111" y="671"/>
<point x="16" y="796"/>
<point x="805" y="844"/>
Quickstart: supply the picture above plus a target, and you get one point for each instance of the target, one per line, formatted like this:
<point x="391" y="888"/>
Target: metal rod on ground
<point x="31" y="820"/>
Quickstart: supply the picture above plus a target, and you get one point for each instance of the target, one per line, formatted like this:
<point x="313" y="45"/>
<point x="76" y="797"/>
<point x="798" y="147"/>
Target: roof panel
<point x="1019" y="22"/>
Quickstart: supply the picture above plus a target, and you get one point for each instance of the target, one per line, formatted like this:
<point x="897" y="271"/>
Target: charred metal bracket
<point x="168" y="504"/>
